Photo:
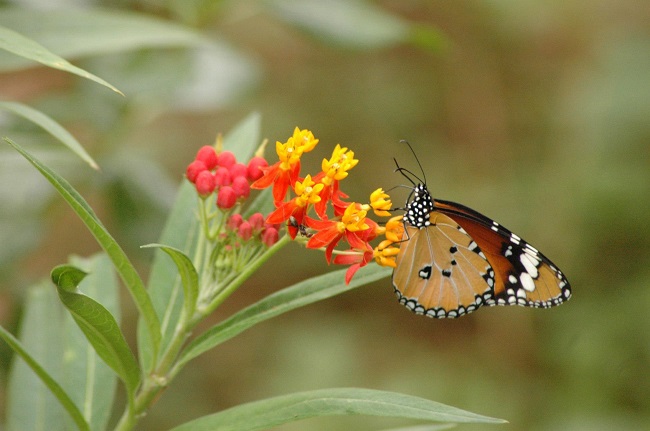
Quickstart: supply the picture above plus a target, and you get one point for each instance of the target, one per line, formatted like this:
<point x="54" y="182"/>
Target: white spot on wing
<point x="530" y="264"/>
<point x="527" y="281"/>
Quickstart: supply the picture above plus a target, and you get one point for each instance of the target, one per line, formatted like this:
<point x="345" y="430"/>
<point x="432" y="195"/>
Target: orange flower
<point x="285" y="172"/>
<point x="306" y="193"/>
<point x="353" y="227"/>
<point x="355" y="260"/>
<point x="334" y="170"/>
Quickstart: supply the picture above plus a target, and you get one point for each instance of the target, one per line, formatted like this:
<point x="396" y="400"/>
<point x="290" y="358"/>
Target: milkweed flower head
<point x="316" y="212"/>
<point x="232" y="237"/>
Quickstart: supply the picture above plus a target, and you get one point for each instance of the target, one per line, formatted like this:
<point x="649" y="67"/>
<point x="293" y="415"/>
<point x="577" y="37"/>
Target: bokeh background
<point x="537" y="114"/>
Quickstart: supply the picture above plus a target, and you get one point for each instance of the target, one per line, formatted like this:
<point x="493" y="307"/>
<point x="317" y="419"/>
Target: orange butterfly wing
<point x="440" y="271"/>
<point x="523" y="275"/>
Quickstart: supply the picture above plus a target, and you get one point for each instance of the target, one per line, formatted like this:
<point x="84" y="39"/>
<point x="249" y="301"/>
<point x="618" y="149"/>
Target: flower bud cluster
<point x="224" y="185"/>
<point x="220" y="173"/>
<point x="239" y="230"/>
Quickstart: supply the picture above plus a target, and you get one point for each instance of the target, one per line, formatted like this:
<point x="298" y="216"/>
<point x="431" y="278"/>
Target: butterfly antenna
<point x="424" y="176"/>
<point x="405" y="172"/>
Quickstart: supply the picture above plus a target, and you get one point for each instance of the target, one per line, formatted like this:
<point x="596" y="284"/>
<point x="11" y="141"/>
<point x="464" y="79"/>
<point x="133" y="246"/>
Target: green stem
<point x="165" y="369"/>
<point x="239" y="280"/>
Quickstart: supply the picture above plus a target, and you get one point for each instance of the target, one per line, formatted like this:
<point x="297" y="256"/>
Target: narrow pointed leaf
<point x="275" y="411"/>
<point x="98" y="325"/>
<point x="122" y="264"/>
<point x="300" y="294"/>
<point x="89" y="381"/>
<point x="52" y="127"/>
<point x="29" y="405"/>
<point x="189" y="277"/>
<point x="28" y="48"/>
<point x="88" y="31"/>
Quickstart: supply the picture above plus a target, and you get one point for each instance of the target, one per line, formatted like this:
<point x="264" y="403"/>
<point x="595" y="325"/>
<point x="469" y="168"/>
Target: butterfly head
<point x="419" y="207"/>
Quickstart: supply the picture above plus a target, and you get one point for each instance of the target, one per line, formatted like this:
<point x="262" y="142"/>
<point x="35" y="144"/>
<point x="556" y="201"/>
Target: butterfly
<point x="453" y="260"/>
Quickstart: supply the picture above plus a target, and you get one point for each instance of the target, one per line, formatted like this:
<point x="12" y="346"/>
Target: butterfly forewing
<point x="441" y="271"/>
<point x="523" y="275"/>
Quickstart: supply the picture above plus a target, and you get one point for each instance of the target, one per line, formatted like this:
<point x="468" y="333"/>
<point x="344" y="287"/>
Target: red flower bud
<point x="254" y="168"/>
<point x="270" y="236"/>
<point x="226" y="198"/>
<point x="257" y="221"/>
<point x="241" y="187"/>
<point x="234" y="221"/>
<point x="207" y="155"/>
<point x="226" y="159"/>
<point x="245" y="231"/>
<point x="222" y="177"/>
<point x="204" y="183"/>
<point x="238" y="170"/>
<point x="193" y="170"/>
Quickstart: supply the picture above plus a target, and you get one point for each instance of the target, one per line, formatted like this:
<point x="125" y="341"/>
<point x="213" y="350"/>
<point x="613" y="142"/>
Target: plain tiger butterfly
<point x="453" y="260"/>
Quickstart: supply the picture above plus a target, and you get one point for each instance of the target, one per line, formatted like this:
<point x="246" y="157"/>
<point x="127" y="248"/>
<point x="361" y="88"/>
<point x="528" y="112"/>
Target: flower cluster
<point x="212" y="172"/>
<point x="336" y="221"/>
<point x="224" y="185"/>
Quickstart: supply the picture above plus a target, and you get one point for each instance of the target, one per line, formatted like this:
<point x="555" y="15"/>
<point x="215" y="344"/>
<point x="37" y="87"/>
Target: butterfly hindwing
<point x="523" y="275"/>
<point x="441" y="271"/>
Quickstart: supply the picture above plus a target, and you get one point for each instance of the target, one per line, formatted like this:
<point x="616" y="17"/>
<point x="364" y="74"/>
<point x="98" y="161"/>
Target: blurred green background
<point x="536" y="114"/>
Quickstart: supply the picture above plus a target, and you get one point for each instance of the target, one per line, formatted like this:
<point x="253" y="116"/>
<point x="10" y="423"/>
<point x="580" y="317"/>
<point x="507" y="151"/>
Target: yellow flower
<point x="385" y="253"/>
<point x="307" y="191"/>
<point x="290" y="152"/>
<point x="381" y="203"/>
<point x="354" y="218"/>
<point x="395" y="229"/>
<point x="337" y="167"/>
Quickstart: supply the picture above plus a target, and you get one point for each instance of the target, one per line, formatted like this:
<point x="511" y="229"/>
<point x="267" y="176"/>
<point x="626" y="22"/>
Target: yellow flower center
<point x="290" y="152"/>
<point x="354" y="218"/>
<point x="337" y="167"/>
<point x="307" y="191"/>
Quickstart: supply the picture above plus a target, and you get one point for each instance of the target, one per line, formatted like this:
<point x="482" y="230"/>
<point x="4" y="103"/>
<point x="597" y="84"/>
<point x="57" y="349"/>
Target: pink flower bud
<point x="226" y="159"/>
<point x="241" y="187"/>
<point x="204" y="183"/>
<point x="254" y="168"/>
<point x="238" y="170"/>
<point x="245" y="231"/>
<point x="207" y="155"/>
<point x="226" y="198"/>
<point x="234" y="221"/>
<point x="270" y="236"/>
<point x="193" y="170"/>
<point x="257" y="221"/>
<point x="222" y="177"/>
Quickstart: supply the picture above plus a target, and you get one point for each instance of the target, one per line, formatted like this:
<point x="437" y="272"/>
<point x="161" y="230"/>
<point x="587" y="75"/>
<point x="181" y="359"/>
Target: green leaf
<point x="89" y="381"/>
<point x="121" y="262"/>
<point x="35" y="397"/>
<point x="300" y="294"/>
<point x="67" y="277"/>
<point x="353" y="24"/>
<point x="28" y="48"/>
<point x="91" y="32"/>
<point x="424" y="428"/>
<point x="189" y="277"/>
<point x="50" y="126"/>
<point x="181" y="232"/>
<point x="98" y="325"/>
<point x="275" y="411"/>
